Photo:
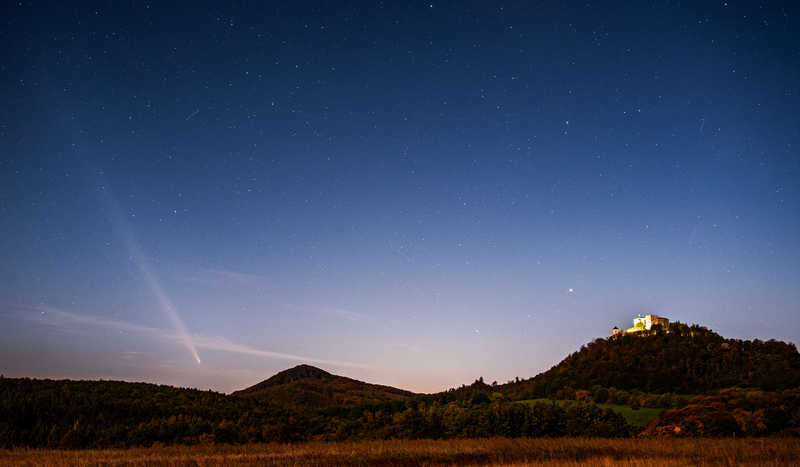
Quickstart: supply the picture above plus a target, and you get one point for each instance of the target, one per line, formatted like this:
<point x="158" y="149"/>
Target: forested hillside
<point x="685" y="360"/>
<point x="307" y="386"/>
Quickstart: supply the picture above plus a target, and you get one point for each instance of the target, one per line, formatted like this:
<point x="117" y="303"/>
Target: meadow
<point x="565" y="452"/>
<point x="638" y="417"/>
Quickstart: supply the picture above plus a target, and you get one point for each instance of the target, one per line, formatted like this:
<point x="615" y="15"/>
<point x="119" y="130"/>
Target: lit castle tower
<point x="642" y="324"/>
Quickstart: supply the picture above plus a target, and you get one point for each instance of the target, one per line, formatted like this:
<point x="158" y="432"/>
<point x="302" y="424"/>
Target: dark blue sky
<point x="412" y="194"/>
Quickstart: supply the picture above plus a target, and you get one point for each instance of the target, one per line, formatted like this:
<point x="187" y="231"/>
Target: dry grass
<point x="492" y="452"/>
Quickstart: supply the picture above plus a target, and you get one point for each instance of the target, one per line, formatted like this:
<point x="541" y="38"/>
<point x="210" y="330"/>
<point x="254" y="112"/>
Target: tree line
<point x="99" y="414"/>
<point x="733" y="412"/>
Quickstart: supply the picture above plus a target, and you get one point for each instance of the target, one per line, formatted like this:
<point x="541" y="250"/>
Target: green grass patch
<point x="634" y="417"/>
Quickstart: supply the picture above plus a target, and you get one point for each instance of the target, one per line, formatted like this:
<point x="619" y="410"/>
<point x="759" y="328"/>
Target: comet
<point x="141" y="261"/>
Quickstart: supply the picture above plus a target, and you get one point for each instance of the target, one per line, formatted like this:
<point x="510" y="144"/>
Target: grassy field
<point x="634" y="417"/>
<point x="491" y="452"/>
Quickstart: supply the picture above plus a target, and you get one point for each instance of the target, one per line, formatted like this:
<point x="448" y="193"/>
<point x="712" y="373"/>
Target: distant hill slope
<point x="685" y="360"/>
<point x="308" y="386"/>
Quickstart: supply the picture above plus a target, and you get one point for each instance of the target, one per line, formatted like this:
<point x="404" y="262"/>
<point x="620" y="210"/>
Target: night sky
<point x="203" y="194"/>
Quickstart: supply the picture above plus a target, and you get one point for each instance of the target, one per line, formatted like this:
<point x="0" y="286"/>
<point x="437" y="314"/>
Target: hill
<point x="682" y="359"/>
<point x="309" y="387"/>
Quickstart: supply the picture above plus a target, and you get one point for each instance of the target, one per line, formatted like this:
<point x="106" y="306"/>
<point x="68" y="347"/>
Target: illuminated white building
<point x="643" y="324"/>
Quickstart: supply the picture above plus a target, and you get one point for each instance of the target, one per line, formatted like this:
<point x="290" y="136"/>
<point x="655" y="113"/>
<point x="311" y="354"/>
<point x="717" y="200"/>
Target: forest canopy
<point x="705" y="385"/>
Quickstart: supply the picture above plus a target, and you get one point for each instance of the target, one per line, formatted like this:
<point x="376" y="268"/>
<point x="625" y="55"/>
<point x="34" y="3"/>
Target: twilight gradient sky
<point x="416" y="194"/>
